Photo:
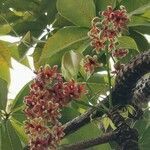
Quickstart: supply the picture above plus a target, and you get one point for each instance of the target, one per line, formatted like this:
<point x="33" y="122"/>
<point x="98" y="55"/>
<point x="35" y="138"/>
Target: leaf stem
<point x="109" y="77"/>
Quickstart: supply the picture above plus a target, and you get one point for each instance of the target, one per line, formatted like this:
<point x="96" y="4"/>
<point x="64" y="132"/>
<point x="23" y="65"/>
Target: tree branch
<point x="91" y="142"/>
<point x="85" y="118"/>
<point x="121" y="93"/>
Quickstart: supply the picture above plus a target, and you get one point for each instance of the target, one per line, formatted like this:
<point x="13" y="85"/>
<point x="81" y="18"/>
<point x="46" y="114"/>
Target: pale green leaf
<point x="5" y="54"/>
<point x="127" y="42"/>
<point x="4" y="29"/>
<point x="3" y="93"/>
<point x="71" y="64"/>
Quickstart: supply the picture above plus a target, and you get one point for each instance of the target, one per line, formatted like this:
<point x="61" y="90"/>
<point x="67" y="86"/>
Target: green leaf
<point x="19" y="127"/>
<point x="146" y="13"/>
<point x="132" y="5"/>
<point x="68" y="114"/>
<point x="9" y="139"/>
<point x="70" y="65"/>
<point x="102" y="4"/>
<point x="4" y="29"/>
<point x="65" y="39"/>
<point x="15" y="54"/>
<point x="5" y="62"/>
<point x="127" y="42"/>
<point x="143" y="127"/>
<point x="17" y="103"/>
<point x="24" y="45"/>
<point x="141" y="10"/>
<point x="5" y="53"/>
<point x="141" y="41"/>
<point x="107" y="122"/>
<point x="142" y="29"/>
<point x="60" y="22"/>
<point x="79" y="12"/>
<point x="82" y="134"/>
<point x="4" y="71"/>
<point x="37" y="54"/>
<point x="19" y="115"/>
<point x="97" y="85"/>
<point x="3" y="93"/>
<point x="138" y="21"/>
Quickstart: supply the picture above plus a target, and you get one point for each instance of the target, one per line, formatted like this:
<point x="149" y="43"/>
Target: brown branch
<point x="83" y="119"/>
<point x="121" y="93"/>
<point x="91" y="142"/>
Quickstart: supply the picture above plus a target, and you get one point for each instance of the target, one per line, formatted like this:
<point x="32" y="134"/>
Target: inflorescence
<point x="104" y="34"/>
<point x="48" y="94"/>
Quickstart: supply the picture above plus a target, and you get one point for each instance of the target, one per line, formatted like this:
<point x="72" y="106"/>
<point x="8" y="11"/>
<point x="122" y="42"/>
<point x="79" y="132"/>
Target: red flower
<point x="104" y="33"/>
<point x="90" y="63"/>
<point x="48" y="94"/>
<point x="117" y="67"/>
<point x="120" y="53"/>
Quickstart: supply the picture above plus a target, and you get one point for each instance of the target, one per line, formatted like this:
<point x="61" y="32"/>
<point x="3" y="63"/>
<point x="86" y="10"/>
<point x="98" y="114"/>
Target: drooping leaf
<point x="79" y="12"/>
<point x="3" y="93"/>
<point x="70" y="65"/>
<point x="9" y="139"/>
<point x="127" y="42"/>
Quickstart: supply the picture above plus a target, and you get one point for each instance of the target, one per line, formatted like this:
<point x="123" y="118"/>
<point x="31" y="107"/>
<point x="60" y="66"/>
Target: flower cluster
<point x="105" y="32"/>
<point x="48" y="94"/>
<point x="90" y="63"/>
<point x="120" y="53"/>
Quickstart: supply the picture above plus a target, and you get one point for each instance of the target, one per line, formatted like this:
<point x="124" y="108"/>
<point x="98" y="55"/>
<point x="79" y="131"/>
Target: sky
<point x="20" y="74"/>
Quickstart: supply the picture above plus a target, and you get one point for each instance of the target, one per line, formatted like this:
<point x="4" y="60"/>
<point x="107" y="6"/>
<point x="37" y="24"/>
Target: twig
<point x="91" y="142"/>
